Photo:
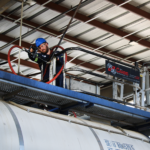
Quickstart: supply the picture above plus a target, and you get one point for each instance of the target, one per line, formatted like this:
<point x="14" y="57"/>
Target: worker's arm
<point x="36" y="59"/>
<point x="34" y="56"/>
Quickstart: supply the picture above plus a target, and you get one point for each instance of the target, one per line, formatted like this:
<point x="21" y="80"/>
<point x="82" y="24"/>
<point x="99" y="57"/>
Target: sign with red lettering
<point x="123" y="72"/>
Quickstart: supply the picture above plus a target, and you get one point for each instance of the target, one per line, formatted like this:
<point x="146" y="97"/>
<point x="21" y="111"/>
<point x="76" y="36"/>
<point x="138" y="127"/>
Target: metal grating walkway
<point x="23" y="90"/>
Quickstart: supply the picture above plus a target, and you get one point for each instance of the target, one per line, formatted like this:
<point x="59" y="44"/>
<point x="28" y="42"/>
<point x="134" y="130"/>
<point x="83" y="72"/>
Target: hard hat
<point x="39" y="41"/>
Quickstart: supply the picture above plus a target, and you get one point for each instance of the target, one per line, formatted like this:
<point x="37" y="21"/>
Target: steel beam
<point x="68" y="38"/>
<point x="98" y="24"/>
<point x="132" y="9"/>
<point x="33" y="65"/>
<point x="22" y="62"/>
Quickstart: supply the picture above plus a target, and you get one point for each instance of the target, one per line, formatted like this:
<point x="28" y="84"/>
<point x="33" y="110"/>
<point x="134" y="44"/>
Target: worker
<point x="44" y="53"/>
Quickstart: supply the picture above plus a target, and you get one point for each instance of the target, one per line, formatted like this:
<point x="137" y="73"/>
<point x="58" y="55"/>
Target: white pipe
<point x="64" y="74"/>
<point x="20" y="37"/>
<point x="130" y="95"/>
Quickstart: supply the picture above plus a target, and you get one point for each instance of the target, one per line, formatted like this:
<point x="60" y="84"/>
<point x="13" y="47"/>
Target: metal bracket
<point x="12" y="94"/>
<point x="89" y="104"/>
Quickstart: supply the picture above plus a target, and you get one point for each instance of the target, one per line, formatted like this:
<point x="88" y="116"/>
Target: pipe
<point x="104" y="117"/>
<point x="20" y="37"/>
<point x="9" y="62"/>
<point x="64" y="73"/>
<point x="54" y="109"/>
<point x="114" y="111"/>
<point x="65" y="31"/>
<point x="147" y="86"/>
<point x="96" y="54"/>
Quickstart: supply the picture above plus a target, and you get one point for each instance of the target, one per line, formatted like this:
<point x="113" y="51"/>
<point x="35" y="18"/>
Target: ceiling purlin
<point x="68" y="38"/>
<point x="22" y="62"/>
<point x="98" y="24"/>
<point x="33" y="65"/>
<point x="55" y="32"/>
<point x="132" y="9"/>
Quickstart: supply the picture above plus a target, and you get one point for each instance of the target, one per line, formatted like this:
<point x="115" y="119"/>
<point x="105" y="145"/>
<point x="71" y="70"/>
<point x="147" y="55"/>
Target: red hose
<point x="74" y="114"/>
<point x="47" y="65"/>
<point x="60" y="69"/>
<point x="8" y="57"/>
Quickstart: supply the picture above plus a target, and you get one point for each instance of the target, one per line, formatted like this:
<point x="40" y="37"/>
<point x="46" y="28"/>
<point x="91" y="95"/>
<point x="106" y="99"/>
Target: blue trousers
<point x="59" y="80"/>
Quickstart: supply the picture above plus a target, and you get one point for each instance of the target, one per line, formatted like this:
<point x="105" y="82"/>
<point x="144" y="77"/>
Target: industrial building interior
<point x="114" y="30"/>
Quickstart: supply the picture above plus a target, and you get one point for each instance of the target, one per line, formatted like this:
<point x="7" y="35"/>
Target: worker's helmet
<point x="39" y="41"/>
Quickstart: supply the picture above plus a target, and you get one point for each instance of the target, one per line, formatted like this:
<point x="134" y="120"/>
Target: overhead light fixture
<point x="133" y="43"/>
<point x="30" y="2"/>
<point x="148" y="36"/>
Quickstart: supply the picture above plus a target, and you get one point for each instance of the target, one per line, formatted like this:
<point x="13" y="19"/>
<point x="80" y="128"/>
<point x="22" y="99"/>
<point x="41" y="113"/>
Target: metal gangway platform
<point x="23" y="90"/>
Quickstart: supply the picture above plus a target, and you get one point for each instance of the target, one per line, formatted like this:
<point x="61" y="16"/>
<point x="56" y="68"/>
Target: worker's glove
<point x="32" y="49"/>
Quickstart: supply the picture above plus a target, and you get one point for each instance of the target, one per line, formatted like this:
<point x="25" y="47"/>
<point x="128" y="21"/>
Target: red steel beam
<point x="132" y="9"/>
<point x="95" y="23"/>
<point x="68" y="38"/>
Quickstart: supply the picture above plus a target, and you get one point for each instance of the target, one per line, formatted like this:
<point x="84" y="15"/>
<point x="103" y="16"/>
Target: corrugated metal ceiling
<point x="100" y="25"/>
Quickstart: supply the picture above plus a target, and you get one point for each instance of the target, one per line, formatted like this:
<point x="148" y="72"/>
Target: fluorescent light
<point x="133" y="43"/>
<point x="31" y="2"/>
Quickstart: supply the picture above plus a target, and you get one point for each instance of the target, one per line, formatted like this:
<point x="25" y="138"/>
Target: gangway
<point x="23" y="90"/>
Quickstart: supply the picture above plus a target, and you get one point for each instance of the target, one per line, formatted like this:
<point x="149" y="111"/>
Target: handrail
<point x="98" y="55"/>
<point x="101" y="76"/>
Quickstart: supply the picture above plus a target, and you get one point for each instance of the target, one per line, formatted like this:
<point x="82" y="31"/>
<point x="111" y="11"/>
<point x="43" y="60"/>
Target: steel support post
<point x="143" y="88"/>
<point x="136" y="98"/>
<point x="147" y="86"/>
<point x="70" y="83"/>
<point x="121" y="90"/>
<point x="42" y="72"/>
<point x="51" y="72"/>
<point x="116" y="90"/>
<point x="64" y="74"/>
<point x="97" y="91"/>
<point x="54" y="70"/>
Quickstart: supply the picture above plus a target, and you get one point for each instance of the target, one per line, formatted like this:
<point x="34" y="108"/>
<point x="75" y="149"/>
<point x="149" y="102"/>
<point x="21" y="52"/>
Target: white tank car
<point x="27" y="128"/>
